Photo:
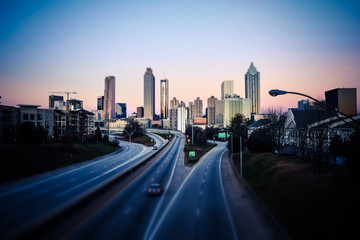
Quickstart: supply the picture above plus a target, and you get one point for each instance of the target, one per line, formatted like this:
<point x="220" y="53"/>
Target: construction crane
<point x="67" y="100"/>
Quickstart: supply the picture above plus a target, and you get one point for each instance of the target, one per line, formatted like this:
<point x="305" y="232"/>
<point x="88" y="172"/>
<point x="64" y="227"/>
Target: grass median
<point x="309" y="204"/>
<point x="199" y="152"/>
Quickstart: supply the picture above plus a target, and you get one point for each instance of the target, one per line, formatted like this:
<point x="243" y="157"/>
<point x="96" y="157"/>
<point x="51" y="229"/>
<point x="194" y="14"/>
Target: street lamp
<point x="334" y="112"/>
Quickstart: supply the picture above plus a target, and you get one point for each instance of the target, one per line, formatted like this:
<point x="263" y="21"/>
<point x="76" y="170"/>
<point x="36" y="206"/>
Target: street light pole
<point x="276" y="92"/>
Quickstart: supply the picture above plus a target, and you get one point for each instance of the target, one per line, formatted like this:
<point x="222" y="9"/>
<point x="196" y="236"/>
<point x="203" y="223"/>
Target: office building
<point x="100" y="103"/>
<point x="174" y="102"/>
<point x="252" y="88"/>
<point x="342" y="99"/>
<point x="109" y="97"/>
<point x="227" y="88"/>
<point x="164" y="98"/>
<point x="219" y="113"/>
<point x="211" y="110"/>
<point x="178" y="119"/>
<point x="149" y="94"/>
<point x="121" y="110"/>
<point x="198" y="108"/>
<point x="234" y="105"/>
<point x="53" y="99"/>
<point x="139" y="112"/>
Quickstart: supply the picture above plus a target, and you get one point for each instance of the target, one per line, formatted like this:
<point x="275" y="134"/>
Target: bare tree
<point x="276" y="115"/>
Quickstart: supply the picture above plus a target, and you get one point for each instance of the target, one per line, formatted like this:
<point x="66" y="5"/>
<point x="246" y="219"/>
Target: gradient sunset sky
<point x="308" y="46"/>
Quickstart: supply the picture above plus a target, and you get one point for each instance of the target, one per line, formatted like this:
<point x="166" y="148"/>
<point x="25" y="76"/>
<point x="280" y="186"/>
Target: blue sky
<point x="305" y="46"/>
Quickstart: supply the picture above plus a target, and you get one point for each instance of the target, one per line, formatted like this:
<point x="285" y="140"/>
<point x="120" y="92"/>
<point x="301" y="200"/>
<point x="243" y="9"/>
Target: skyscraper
<point x="211" y="110"/>
<point x="227" y="88"/>
<point x="109" y="98"/>
<point x="174" y="102"/>
<point x="164" y="98"/>
<point x="252" y="88"/>
<point x="100" y="103"/>
<point x="149" y="94"/>
<point x="198" y="105"/>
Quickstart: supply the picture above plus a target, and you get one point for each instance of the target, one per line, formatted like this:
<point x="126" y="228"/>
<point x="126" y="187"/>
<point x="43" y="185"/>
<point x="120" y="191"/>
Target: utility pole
<point x="192" y="133"/>
<point x="241" y="171"/>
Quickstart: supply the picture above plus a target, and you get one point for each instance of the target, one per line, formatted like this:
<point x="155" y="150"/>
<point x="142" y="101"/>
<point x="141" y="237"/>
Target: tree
<point x="132" y="128"/>
<point x="238" y="128"/>
<point x="276" y="126"/>
<point x="98" y="134"/>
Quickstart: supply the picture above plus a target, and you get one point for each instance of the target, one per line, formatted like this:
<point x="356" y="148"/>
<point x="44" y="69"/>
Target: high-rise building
<point x="120" y="110"/>
<point x="342" y="99"/>
<point x="182" y="104"/>
<point x="164" y="98"/>
<point x="227" y="88"/>
<point x="198" y="108"/>
<point x="177" y="119"/>
<point x="109" y="98"/>
<point x="149" y="94"/>
<point x="174" y="102"/>
<point x="100" y="103"/>
<point x="234" y="105"/>
<point x="52" y="99"/>
<point x="252" y="88"/>
<point x="219" y="113"/>
<point x="191" y="110"/>
<point x="211" y="110"/>
<point x="139" y="112"/>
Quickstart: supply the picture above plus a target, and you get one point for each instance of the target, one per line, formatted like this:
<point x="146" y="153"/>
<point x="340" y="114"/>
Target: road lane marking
<point x="198" y="212"/>
<point x="163" y="196"/>
<point x="105" y="158"/>
<point x="225" y="201"/>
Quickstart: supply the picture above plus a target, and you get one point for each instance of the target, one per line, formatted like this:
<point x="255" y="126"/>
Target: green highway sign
<point x="223" y="135"/>
<point x="192" y="154"/>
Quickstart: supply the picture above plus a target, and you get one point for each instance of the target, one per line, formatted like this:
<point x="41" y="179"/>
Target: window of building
<point x="26" y="116"/>
<point x="32" y="117"/>
<point x="39" y="117"/>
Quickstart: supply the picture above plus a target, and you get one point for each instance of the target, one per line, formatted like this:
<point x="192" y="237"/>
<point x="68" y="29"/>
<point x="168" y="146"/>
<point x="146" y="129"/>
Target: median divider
<point x="42" y="223"/>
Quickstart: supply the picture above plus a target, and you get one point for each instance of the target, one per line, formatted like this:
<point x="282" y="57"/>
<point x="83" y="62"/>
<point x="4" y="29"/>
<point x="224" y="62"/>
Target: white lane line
<point x="225" y="201"/>
<point x="92" y="171"/>
<point x="162" y="197"/>
<point x="127" y="210"/>
<point x="59" y="175"/>
<point x="86" y="182"/>
<point x="168" y="207"/>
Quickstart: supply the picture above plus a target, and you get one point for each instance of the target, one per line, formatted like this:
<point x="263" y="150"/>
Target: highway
<point x="27" y="202"/>
<point x="128" y="214"/>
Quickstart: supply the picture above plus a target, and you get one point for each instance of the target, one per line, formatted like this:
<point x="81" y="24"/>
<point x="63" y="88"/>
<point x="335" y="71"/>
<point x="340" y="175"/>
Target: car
<point x="154" y="147"/>
<point x="154" y="189"/>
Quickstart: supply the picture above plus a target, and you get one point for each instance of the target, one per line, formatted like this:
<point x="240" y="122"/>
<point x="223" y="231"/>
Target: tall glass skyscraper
<point x="149" y="94"/>
<point x="252" y="88"/>
<point x="109" y="98"/>
<point x="164" y="98"/>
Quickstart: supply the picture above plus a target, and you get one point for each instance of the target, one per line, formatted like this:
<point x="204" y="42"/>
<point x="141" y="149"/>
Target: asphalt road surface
<point x="27" y="202"/>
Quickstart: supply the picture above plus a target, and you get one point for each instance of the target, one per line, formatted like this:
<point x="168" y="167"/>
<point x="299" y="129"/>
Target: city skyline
<point x="308" y="46"/>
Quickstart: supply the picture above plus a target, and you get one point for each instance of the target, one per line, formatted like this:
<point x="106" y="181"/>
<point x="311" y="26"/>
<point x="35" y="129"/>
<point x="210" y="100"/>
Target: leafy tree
<point x="98" y="134"/>
<point x="238" y="128"/>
